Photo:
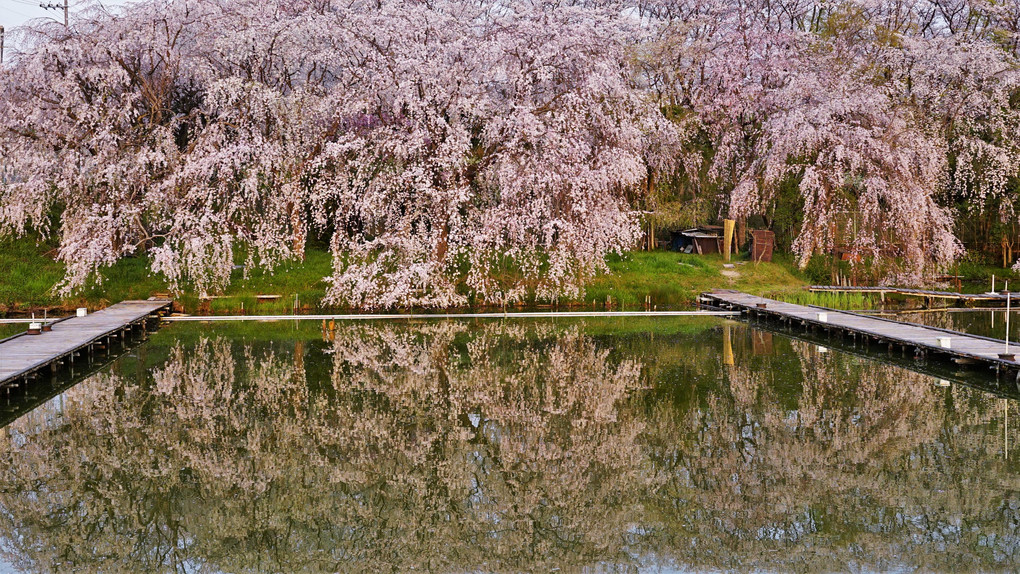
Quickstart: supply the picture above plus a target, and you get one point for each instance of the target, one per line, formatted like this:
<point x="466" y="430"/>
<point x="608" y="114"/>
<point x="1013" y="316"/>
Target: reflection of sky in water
<point x="512" y="446"/>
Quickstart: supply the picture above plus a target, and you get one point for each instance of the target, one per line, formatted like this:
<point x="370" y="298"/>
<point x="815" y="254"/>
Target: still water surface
<point x="507" y="446"/>
<point x="984" y="322"/>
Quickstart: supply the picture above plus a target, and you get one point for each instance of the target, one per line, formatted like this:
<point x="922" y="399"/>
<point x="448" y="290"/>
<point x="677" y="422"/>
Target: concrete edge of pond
<point x="390" y="316"/>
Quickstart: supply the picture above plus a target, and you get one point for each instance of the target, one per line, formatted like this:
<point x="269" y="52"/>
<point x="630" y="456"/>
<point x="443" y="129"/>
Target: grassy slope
<point x="28" y="273"/>
<point x="670" y="280"/>
<point x="7" y="330"/>
<point x="674" y="279"/>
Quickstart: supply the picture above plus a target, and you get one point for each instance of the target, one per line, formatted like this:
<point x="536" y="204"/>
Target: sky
<point x="14" y="13"/>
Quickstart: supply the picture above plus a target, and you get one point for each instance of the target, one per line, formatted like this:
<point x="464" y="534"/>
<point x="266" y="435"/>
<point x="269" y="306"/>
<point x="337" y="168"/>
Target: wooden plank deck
<point x="27" y="354"/>
<point x="984" y="379"/>
<point x="964" y="348"/>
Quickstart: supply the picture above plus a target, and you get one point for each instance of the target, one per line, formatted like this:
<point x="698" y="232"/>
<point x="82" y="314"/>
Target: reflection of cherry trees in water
<point x="506" y="447"/>
<point x="863" y="464"/>
<point x="519" y="428"/>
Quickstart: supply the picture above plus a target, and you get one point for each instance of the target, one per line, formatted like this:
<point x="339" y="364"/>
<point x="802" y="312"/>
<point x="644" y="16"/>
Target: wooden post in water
<point x="727" y="346"/>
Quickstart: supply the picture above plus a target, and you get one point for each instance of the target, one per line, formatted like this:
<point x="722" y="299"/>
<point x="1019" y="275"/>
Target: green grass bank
<point x="660" y="280"/>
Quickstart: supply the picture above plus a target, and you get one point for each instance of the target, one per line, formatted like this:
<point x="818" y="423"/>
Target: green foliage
<point x="675" y="204"/>
<point x="974" y="269"/>
<point x="787" y="214"/>
<point x="989" y="229"/>
<point x="848" y="301"/>
<point x="819" y="270"/>
<point x="679" y="212"/>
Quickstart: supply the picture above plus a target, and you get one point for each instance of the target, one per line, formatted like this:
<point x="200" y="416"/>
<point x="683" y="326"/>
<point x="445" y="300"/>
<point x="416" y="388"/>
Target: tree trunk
<point x="650" y="194"/>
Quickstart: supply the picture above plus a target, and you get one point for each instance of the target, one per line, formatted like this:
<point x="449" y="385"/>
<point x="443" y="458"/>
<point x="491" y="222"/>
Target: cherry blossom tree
<point x="452" y="151"/>
<point x="432" y="143"/>
<point x="879" y="113"/>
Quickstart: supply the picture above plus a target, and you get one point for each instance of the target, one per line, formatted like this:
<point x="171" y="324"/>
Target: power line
<point x="22" y="14"/>
<point x="10" y="10"/>
<point x="52" y="6"/>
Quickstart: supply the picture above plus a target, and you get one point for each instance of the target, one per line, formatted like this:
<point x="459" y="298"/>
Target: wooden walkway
<point x="923" y="293"/>
<point x="984" y="379"/>
<point x="962" y="348"/>
<point x="23" y="356"/>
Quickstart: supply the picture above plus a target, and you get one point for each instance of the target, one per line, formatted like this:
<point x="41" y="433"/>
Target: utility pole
<point x="52" y="6"/>
<point x="1" y="44"/>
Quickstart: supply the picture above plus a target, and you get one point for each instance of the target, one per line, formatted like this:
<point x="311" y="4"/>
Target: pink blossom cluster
<point x="885" y="114"/>
<point x="431" y="143"/>
<point x="456" y="147"/>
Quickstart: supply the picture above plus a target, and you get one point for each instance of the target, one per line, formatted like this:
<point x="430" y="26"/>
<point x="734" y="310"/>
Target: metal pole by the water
<point x="1007" y="321"/>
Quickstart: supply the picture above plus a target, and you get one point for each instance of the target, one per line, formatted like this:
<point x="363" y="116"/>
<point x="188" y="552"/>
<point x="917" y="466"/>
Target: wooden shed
<point x="702" y="240"/>
<point x="762" y="243"/>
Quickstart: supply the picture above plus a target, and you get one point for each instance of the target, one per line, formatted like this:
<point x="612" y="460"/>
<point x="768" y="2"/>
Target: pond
<point x="602" y="445"/>
<point x="983" y="322"/>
